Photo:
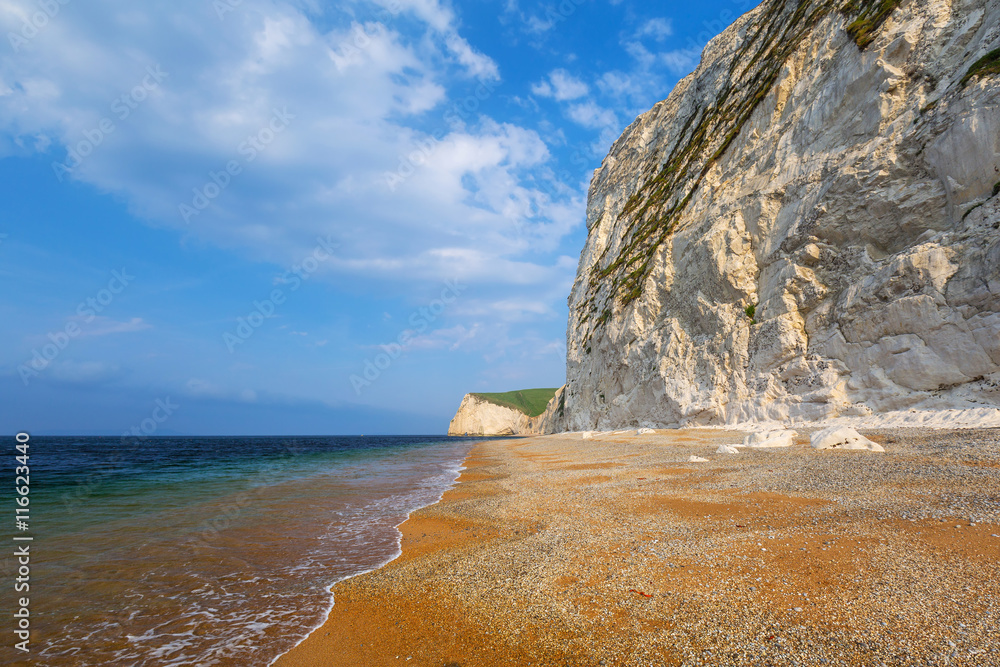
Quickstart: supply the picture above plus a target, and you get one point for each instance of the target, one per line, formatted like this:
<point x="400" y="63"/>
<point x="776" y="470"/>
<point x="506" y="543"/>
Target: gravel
<point x="618" y="551"/>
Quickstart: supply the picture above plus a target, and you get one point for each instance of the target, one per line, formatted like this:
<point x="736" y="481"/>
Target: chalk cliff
<point x="479" y="416"/>
<point x="806" y="228"/>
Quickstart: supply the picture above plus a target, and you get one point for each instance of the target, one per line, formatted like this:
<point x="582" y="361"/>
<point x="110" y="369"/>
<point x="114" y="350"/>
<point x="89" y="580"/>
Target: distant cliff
<point x="806" y="228"/>
<point x="526" y="412"/>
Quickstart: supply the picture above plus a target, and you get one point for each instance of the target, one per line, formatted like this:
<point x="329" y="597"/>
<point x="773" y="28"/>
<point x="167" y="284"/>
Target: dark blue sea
<point x="209" y="551"/>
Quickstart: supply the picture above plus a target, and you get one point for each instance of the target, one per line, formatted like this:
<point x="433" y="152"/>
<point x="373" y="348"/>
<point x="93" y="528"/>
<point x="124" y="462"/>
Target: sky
<point x="257" y="217"/>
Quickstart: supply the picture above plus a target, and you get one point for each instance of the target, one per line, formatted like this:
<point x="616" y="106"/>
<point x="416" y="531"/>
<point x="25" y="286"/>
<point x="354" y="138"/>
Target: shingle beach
<point x="617" y="550"/>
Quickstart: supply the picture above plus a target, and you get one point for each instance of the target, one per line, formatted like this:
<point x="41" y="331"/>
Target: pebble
<point x="509" y="585"/>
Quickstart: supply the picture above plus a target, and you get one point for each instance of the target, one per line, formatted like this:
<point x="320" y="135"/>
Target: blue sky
<point x="304" y="217"/>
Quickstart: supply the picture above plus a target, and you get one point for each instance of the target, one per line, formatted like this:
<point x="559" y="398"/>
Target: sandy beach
<point x="617" y="551"/>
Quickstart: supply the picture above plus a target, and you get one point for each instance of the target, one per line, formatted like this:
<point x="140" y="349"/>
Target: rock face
<point x="788" y="236"/>
<point x="477" y="416"/>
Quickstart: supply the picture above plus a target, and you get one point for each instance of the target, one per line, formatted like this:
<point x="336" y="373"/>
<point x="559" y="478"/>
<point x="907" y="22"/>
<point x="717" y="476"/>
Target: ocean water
<point x="210" y="551"/>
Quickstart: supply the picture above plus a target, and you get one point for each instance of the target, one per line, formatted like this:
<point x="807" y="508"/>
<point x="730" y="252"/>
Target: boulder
<point x="769" y="439"/>
<point x="843" y="437"/>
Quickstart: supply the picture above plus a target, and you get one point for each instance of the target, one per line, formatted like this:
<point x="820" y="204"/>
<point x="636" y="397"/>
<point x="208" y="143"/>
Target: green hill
<point x="531" y="402"/>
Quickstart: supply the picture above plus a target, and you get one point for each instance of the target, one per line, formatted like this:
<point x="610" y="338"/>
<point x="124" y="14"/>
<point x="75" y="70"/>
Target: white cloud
<point x="537" y="25"/>
<point x="591" y="115"/>
<point x="442" y="20"/>
<point x="654" y="73"/>
<point x="657" y="28"/>
<point x="476" y="63"/>
<point x="561" y="86"/>
<point x="531" y="24"/>
<point x="481" y="203"/>
<point x="680" y="61"/>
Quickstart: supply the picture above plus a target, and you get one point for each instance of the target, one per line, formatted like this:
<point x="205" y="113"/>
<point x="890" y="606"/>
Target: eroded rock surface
<point x="788" y="236"/>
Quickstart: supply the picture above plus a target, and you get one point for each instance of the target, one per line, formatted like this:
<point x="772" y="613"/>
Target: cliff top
<point x="531" y="402"/>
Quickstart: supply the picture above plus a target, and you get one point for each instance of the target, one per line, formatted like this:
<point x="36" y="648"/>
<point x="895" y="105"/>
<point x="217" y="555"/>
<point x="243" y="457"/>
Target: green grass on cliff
<point x="871" y="14"/>
<point x="531" y="402"/>
<point x="988" y="65"/>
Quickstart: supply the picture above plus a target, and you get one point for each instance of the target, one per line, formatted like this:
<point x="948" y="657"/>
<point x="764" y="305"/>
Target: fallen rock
<point x="588" y="435"/>
<point x="769" y="439"/>
<point x="727" y="449"/>
<point x="843" y="437"/>
<point x="697" y="459"/>
<point x="645" y="431"/>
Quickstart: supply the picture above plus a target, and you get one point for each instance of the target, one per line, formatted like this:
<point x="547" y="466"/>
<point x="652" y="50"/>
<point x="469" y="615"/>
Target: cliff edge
<point x="807" y="228"/>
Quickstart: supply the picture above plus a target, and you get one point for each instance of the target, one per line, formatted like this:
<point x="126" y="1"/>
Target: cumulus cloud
<point x="262" y="132"/>
<point x="561" y="86"/>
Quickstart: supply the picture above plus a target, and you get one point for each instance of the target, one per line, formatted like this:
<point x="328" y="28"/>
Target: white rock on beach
<point x="588" y="435"/>
<point x="727" y="449"/>
<point x="645" y="431"/>
<point x="697" y="459"/>
<point x="769" y="439"/>
<point x="843" y="437"/>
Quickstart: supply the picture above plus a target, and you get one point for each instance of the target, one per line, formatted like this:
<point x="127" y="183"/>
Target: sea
<point x="207" y="551"/>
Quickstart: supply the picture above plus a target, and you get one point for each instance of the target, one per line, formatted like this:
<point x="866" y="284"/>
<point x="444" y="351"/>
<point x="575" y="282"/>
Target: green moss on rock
<point x="651" y="215"/>
<point x="988" y="65"/>
<point x="871" y="14"/>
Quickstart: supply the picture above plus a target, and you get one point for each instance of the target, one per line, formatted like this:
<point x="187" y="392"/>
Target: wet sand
<point x="617" y="551"/>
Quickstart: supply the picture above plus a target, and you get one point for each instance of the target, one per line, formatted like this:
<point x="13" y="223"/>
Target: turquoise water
<point x="210" y="551"/>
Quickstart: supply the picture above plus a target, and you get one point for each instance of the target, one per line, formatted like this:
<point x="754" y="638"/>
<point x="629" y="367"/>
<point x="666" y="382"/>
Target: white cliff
<point x="788" y="236"/>
<point x="479" y="416"/>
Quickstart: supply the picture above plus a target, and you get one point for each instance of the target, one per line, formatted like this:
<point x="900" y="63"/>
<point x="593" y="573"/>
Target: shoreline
<point x="399" y="552"/>
<point x="314" y="650"/>
<point x="546" y="549"/>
